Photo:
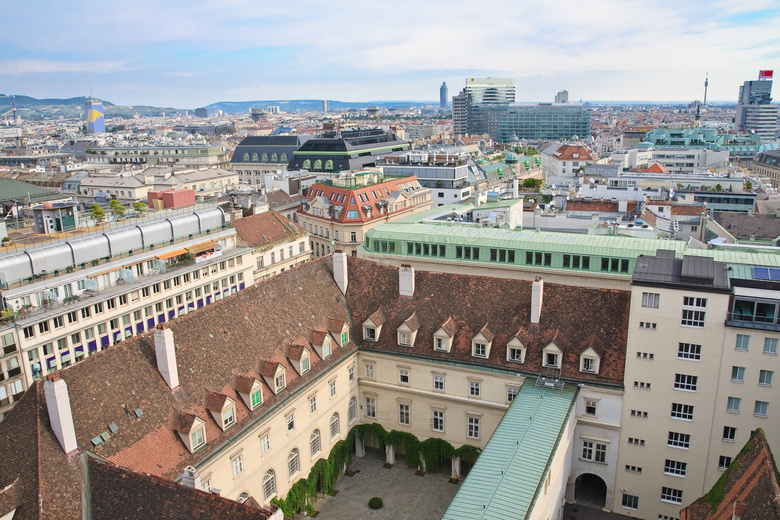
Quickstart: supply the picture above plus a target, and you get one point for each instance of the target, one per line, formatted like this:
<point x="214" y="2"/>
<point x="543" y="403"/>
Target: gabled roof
<point x="11" y="189"/>
<point x="378" y="318"/>
<point x="295" y="352"/>
<point x="749" y="484"/>
<point x="268" y="368"/>
<point x="267" y="228"/>
<point x="215" y="401"/>
<point x="336" y="326"/>
<point x="486" y="332"/>
<point x="449" y="327"/>
<point x="243" y="383"/>
<point x="413" y="322"/>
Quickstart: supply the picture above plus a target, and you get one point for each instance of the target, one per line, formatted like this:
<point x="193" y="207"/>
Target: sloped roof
<point x="266" y="228"/>
<point x="750" y="483"/>
<point x="11" y="189"/>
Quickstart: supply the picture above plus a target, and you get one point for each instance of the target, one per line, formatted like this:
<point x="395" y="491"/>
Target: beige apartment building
<point x="338" y="214"/>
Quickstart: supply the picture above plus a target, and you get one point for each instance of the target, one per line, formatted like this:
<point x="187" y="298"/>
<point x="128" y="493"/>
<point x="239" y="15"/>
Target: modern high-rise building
<point x="485" y="99"/>
<point x="544" y="121"/>
<point x="443" y="102"/>
<point x="202" y="112"/>
<point x="325" y="105"/>
<point x="754" y="109"/>
<point x="93" y="113"/>
<point x="562" y="96"/>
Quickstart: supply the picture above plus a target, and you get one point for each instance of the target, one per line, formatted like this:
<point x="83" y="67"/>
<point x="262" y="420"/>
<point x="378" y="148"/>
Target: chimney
<point x="516" y="189"/>
<point x="340" y="270"/>
<point x="190" y="477"/>
<point x="537" y="290"/>
<point x="166" y="355"/>
<point x="58" y="404"/>
<point x="406" y="280"/>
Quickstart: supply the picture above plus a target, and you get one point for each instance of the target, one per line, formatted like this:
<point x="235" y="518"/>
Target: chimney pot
<point x="190" y="477"/>
<point x="165" y="350"/>
<point x="58" y="405"/>
<point x="537" y="292"/>
<point x="340" y="270"/>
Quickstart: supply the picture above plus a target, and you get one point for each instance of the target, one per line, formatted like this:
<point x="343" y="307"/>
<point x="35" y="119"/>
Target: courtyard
<point x="405" y="495"/>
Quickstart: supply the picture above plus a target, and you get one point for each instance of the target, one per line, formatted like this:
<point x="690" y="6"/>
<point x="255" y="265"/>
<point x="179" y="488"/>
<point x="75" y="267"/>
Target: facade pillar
<point x="389" y="454"/>
<point x="456" y="467"/>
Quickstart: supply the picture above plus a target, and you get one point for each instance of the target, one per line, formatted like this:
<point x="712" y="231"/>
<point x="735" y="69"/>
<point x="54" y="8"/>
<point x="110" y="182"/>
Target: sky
<point x="186" y="54"/>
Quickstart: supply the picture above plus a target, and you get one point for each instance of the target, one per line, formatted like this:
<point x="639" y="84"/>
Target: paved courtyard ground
<point x="405" y="495"/>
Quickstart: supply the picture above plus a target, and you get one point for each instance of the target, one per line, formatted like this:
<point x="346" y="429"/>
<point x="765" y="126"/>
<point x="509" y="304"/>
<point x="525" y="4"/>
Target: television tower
<point x="706" y="84"/>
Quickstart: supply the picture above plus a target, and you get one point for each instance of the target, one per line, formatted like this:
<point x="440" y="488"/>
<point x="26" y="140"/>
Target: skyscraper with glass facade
<point x="544" y="121"/>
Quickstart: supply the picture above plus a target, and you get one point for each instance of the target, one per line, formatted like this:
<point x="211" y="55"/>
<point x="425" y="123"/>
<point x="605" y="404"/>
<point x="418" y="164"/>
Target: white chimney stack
<point x="537" y="290"/>
<point x="340" y="270"/>
<point x="406" y="280"/>
<point x="190" y="477"/>
<point x="58" y="404"/>
<point x="516" y="189"/>
<point x="166" y="355"/>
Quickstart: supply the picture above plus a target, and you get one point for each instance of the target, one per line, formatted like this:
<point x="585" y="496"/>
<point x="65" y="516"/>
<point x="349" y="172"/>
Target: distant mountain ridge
<point x="291" y="105"/>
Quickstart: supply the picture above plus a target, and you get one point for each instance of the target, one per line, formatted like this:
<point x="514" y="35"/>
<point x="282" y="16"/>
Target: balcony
<point x="753" y="314"/>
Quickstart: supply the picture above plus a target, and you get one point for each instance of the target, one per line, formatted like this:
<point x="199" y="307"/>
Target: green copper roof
<point x="11" y="189"/>
<point x="510" y="472"/>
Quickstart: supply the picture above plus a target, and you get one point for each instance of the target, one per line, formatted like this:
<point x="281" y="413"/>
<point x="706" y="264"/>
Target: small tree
<point x="749" y="185"/>
<point x="97" y="212"/>
<point x="117" y="208"/>
<point x="718" y="187"/>
<point x="140" y="207"/>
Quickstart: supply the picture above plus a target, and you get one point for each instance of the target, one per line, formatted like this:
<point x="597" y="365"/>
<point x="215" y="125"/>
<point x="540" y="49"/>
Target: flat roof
<point x="509" y="473"/>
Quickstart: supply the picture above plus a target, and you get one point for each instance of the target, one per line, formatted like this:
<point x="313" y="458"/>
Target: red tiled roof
<point x="295" y="352"/>
<point x="655" y="168"/>
<point x="215" y="402"/>
<point x="243" y="383"/>
<point x="449" y="326"/>
<point x="596" y="205"/>
<point x="413" y="322"/>
<point x="567" y="152"/>
<point x="268" y="368"/>
<point x="378" y="317"/>
<point x="266" y="228"/>
<point x="485" y="331"/>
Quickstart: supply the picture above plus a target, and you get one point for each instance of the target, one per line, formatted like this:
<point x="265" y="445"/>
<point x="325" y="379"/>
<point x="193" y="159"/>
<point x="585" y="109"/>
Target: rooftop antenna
<point x="706" y="84"/>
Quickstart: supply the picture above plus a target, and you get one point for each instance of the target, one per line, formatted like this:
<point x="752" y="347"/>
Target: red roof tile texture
<point x="266" y="228"/>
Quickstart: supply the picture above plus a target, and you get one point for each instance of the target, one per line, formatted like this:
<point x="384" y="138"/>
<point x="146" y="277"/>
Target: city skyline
<point x="185" y="56"/>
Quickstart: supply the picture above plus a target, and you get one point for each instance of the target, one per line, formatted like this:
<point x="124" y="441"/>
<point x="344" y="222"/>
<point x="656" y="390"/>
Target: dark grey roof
<point x="663" y="269"/>
<point x="743" y="226"/>
<point x="268" y="144"/>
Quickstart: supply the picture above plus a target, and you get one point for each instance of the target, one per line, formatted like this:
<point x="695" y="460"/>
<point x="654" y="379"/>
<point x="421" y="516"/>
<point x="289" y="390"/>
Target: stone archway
<point x="590" y="490"/>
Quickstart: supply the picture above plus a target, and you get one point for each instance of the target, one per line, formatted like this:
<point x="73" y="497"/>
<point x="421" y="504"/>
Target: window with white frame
<point x="685" y="382"/>
<point x="437" y="421"/>
<point x="650" y="300"/>
<point x="197" y="438"/>
<point x="352" y="410"/>
<point x="770" y="346"/>
<point x="404" y="338"/>
<point x="371" y="407"/>
<point x="761" y="409"/>
<point x="693" y="313"/>
<point x="475" y="388"/>
<point x="238" y="465"/>
<point x="315" y="443"/>
<point x="293" y="463"/>
<point x="404" y="414"/>
<point x="403" y="376"/>
<point x="228" y="417"/>
<point x="737" y="374"/>
<point x="729" y="433"/>
<point x="351" y="373"/>
<point x="515" y="354"/>
<point x="732" y="404"/>
<point x="480" y="350"/>
<point x="473" y="428"/>
<point x="369" y="371"/>
<point x="312" y="404"/>
<point x="765" y="377"/>
<point x="438" y="383"/>
<point x="511" y="393"/>
<point x="594" y="451"/>
<point x="369" y="333"/>
<point x="290" y="422"/>
<point x="675" y="467"/>
<point x="279" y="382"/>
<point x="724" y="463"/>
<point x="678" y="440"/>
<point x="326" y="348"/>
<point x="689" y="351"/>
<point x="630" y="501"/>
<point x="590" y="406"/>
<point x="682" y="411"/>
<point x="332" y="388"/>
<point x="335" y="427"/>
<point x="742" y="342"/>
<point x="671" y="495"/>
<point x="589" y="364"/>
<point x="269" y="485"/>
<point x="265" y="443"/>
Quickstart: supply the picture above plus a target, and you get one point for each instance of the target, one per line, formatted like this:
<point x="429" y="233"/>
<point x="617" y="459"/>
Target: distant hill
<point x="30" y="108"/>
<point x="243" y="107"/>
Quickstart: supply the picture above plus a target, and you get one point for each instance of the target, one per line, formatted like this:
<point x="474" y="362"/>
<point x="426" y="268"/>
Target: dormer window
<point x="404" y="338"/>
<point x="369" y="333"/>
<point x="274" y="375"/>
<point x="279" y="382"/>
<point x="442" y="338"/>
<point x="551" y="359"/>
<point x="441" y="344"/>
<point x="344" y="338"/>
<point x="249" y="389"/>
<point x="304" y="365"/>
<point x="372" y="327"/>
<point x="552" y="356"/>
<point x="222" y="408"/>
<point x="515" y="351"/>
<point x="480" y="344"/>
<point x="256" y="398"/>
<point x="191" y="430"/>
<point x="407" y="332"/>
<point x="197" y="438"/>
<point x="589" y="361"/>
<point x="299" y="354"/>
<point x="326" y="348"/>
<point x="228" y="417"/>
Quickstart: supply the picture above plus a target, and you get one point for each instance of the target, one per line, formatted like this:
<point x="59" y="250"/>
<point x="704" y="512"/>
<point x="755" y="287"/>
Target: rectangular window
<point x="737" y="374"/>
<point x="724" y="463"/>
<point x="480" y="350"/>
<point x="369" y="371"/>
<point x="197" y="439"/>
<point x="438" y="383"/>
<point x="770" y="346"/>
<point x="404" y="338"/>
<point x="473" y="429"/>
<point x="371" y="407"/>
<point x="630" y="501"/>
<point x="312" y="404"/>
<point x="350" y="373"/>
<point x="729" y="433"/>
<point x="510" y="394"/>
<point x="689" y="351"/>
<point x="765" y="377"/>
<point x="761" y="408"/>
<point x="437" y="421"/>
<point x="733" y="404"/>
<point x="675" y="467"/>
<point x="43" y="327"/>
<point x="290" y="422"/>
<point x="682" y="411"/>
<point x="671" y="495"/>
<point x="475" y="389"/>
<point x="685" y="382"/>
<point x="679" y="440"/>
<point x="594" y="451"/>
<point x="332" y="386"/>
<point x="256" y="399"/>
<point x="692" y="318"/>
<point x="238" y="465"/>
<point x="265" y="443"/>
<point x="636" y="442"/>
<point x="516" y="355"/>
<point x="58" y="322"/>
<point x="403" y="377"/>
<point x="404" y="415"/>
<point x="698" y="303"/>
<point x="650" y="300"/>
<point x="279" y="382"/>
<point x="742" y="342"/>
<point x="590" y="407"/>
<point x="29" y="332"/>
